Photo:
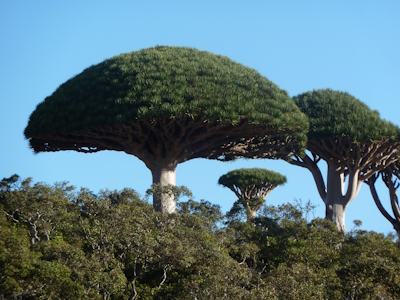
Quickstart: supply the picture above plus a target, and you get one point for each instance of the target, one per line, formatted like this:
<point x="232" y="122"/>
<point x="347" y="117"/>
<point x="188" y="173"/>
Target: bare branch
<point x="166" y="269"/>
<point x="394" y="201"/>
<point x="353" y="187"/>
<point x="11" y="217"/>
<point x="371" y="184"/>
<point x="311" y="164"/>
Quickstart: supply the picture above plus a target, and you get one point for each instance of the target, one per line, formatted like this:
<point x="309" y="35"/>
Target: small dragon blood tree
<point x="352" y="139"/>
<point x="167" y="105"/>
<point x="251" y="186"/>
<point x="391" y="177"/>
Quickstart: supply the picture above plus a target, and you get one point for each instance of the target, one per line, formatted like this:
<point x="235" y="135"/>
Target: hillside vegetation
<point x="57" y="242"/>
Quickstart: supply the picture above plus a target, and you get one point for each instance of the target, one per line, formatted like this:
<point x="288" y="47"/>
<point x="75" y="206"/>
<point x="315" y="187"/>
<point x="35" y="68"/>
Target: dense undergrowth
<point x="60" y="243"/>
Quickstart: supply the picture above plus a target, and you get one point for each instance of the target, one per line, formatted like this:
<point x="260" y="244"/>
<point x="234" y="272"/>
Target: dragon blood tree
<point x="251" y="186"/>
<point x="391" y="177"/>
<point x="167" y="105"/>
<point x="352" y="139"/>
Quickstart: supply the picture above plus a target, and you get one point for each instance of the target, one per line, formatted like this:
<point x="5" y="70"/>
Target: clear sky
<point x="350" y="46"/>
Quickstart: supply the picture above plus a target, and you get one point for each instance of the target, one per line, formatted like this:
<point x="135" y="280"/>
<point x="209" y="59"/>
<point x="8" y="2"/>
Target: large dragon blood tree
<point x="251" y="186"/>
<point x="391" y="177"/>
<point x="352" y="139"/>
<point x="167" y="105"/>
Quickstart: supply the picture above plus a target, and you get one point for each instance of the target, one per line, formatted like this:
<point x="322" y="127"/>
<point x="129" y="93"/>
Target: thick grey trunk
<point x="335" y="200"/>
<point x="336" y="212"/>
<point x="250" y="214"/>
<point x="164" y="175"/>
<point x="335" y="207"/>
<point x="333" y="193"/>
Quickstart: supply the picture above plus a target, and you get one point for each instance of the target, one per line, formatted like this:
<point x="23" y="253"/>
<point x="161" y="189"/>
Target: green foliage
<point x="248" y="177"/>
<point x="293" y="259"/>
<point x="251" y="186"/>
<point x="16" y="260"/>
<point x="369" y="266"/>
<point x="114" y="246"/>
<point x="210" y="213"/>
<point x="335" y="114"/>
<point x="165" y="82"/>
<point x="176" y="192"/>
<point x="43" y="209"/>
<point x="244" y="208"/>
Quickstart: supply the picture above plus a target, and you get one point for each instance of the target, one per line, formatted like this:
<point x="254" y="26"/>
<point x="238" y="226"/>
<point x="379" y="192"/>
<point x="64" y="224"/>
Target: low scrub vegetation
<point x="60" y="243"/>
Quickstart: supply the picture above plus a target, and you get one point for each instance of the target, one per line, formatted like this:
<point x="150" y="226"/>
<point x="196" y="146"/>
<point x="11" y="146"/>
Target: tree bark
<point x="336" y="213"/>
<point x="250" y="214"/>
<point x="333" y="193"/>
<point x="164" y="175"/>
<point x="393" y="200"/>
<point x="335" y="206"/>
<point x="336" y="201"/>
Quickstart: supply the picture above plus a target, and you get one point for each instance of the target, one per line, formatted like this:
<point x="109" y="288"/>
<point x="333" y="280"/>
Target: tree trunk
<point x="335" y="200"/>
<point x="250" y="214"/>
<point x="333" y="193"/>
<point x="164" y="175"/>
<point x="336" y="212"/>
<point x="335" y="208"/>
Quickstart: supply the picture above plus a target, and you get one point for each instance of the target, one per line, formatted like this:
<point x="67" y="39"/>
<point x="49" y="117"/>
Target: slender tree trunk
<point x="164" y="175"/>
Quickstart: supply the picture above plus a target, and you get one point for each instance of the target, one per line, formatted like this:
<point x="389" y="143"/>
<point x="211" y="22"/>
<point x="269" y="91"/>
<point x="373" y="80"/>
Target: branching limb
<point x="298" y="161"/>
<point x="166" y="269"/>
<point x="311" y="164"/>
<point x="394" y="200"/>
<point x="92" y="244"/>
<point x="243" y="261"/>
<point x="133" y="281"/>
<point x="371" y="183"/>
<point x="354" y="185"/>
<point x="11" y="217"/>
<point x="236" y="190"/>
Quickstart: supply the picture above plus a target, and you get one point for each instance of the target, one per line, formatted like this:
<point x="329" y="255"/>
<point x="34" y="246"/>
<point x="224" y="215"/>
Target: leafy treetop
<point x="247" y="177"/>
<point x="170" y="82"/>
<point x="167" y="105"/>
<point x="250" y="183"/>
<point x="335" y="114"/>
<point x="344" y="131"/>
<point x="251" y="186"/>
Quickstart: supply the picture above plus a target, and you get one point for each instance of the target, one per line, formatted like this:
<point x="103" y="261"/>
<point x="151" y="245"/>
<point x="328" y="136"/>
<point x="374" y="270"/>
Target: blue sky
<point x="299" y="45"/>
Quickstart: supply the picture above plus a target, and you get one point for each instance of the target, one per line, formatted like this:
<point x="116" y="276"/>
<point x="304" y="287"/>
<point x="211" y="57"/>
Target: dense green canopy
<point x="254" y="176"/>
<point x="167" y="105"/>
<point x="251" y="186"/>
<point x="352" y="139"/>
<point x="337" y="114"/>
<point x="345" y="131"/>
<point x="114" y="104"/>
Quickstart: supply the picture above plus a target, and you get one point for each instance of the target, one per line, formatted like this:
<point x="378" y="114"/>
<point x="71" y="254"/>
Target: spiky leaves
<point x="164" y="99"/>
<point x="346" y="131"/>
<point x="351" y="138"/>
<point x="167" y="105"/>
<point x="251" y="186"/>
